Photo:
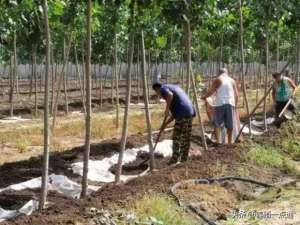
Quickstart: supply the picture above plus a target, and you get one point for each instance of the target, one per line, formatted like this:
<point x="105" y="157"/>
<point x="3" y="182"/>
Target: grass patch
<point x="265" y="156"/>
<point x="292" y="147"/>
<point x="243" y="172"/>
<point x="270" y="157"/>
<point x="162" y="209"/>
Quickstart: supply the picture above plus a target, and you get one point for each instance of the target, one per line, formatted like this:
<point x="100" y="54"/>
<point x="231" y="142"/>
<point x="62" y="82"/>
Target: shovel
<point x="285" y="108"/>
<point x="157" y="139"/>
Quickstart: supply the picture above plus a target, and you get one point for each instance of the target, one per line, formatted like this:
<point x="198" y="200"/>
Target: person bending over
<point x="178" y="107"/>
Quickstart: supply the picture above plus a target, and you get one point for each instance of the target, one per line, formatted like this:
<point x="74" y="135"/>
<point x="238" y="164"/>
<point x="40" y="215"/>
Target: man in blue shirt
<point x="180" y="108"/>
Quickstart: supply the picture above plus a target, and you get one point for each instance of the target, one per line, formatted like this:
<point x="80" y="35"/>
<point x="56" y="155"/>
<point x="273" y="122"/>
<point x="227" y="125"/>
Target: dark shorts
<point x="280" y="105"/>
<point x="224" y="114"/>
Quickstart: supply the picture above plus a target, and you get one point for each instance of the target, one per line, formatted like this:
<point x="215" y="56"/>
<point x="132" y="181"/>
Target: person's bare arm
<point x="215" y="85"/>
<point x="169" y="98"/>
<point x="293" y="86"/>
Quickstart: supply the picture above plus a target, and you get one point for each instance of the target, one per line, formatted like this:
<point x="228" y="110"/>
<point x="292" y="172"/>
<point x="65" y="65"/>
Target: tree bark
<point x="35" y="90"/>
<point x="88" y="101"/>
<point x="52" y="79"/>
<point x="16" y="74"/>
<point x="11" y="94"/>
<point x="188" y="50"/>
<point x="58" y="85"/>
<point x="146" y="101"/>
<point x="188" y="59"/>
<point x="298" y="57"/>
<point x="32" y="73"/>
<point x="79" y="79"/>
<point x="243" y="62"/>
<point x="65" y="81"/>
<point x="46" y="112"/>
<point x="116" y="77"/>
<point x="126" y="113"/>
<point x="277" y="47"/>
<point x="267" y="74"/>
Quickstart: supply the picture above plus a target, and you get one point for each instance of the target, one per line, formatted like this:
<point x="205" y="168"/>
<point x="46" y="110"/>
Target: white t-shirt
<point x="225" y="93"/>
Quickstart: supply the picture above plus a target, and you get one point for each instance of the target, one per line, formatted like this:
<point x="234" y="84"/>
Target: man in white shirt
<point x="226" y="100"/>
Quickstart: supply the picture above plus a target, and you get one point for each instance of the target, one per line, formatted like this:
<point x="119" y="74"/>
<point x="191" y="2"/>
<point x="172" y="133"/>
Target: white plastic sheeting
<point x="257" y="123"/>
<point x="27" y="209"/>
<point x="99" y="169"/>
<point x="58" y="183"/>
<point x="246" y="130"/>
<point x="13" y="119"/>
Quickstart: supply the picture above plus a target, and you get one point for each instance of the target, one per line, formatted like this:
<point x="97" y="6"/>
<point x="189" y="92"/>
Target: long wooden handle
<point x="160" y="132"/>
<point x="285" y="107"/>
<point x="252" y="112"/>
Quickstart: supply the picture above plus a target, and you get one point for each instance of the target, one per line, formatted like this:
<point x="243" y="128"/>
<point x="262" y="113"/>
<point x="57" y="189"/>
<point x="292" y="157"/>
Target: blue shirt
<point x="181" y="105"/>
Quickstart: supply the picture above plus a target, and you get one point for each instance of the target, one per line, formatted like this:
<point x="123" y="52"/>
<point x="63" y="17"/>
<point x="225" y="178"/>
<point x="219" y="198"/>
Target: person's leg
<point x="218" y="135"/>
<point x="218" y="120"/>
<point x="279" y="107"/>
<point x="176" y="140"/>
<point x="229" y="121"/>
<point x="186" y="140"/>
<point x="292" y="107"/>
<point x="229" y="135"/>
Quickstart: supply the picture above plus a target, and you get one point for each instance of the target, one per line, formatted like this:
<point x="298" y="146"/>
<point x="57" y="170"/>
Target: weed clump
<point x="292" y="147"/>
<point x="265" y="156"/>
<point x="269" y="157"/>
<point x="162" y="209"/>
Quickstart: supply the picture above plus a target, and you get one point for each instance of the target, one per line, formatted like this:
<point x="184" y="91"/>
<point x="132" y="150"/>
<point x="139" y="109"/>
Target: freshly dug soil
<point x="215" y="162"/>
<point x="11" y="200"/>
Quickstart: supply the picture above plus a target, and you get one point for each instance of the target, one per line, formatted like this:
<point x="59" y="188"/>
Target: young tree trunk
<point x="298" y="57"/>
<point x="190" y="69"/>
<point x="188" y="60"/>
<point x="35" y="90"/>
<point x="266" y="76"/>
<point x="16" y="74"/>
<point x="79" y="79"/>
<point x="243" y="62"/>
<point x="31" y="76"/>
<point x="101" y="91"/>
<point x="88" y="101"/>
<point x="46" y="112"/>
<point x="117" y="82"/>
<point x="11" y="81"/>
<point x="65" y="81"/>
<point x="221" y="64"/>
<point x="126" y="113"/>
<point x="83" y="67"/>
<point x="182" y="70"/>
<point x="277" y="47"/>
<point x="59" y="83"/>
<point x="146" y="101"/>
<point x="138" y="74"/>
<point x="112" y="85"/>
<point x="52" y="79"/>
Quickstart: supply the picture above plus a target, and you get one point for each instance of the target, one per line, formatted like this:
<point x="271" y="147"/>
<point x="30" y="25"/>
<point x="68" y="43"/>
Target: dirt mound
<point x="213" y="199"/>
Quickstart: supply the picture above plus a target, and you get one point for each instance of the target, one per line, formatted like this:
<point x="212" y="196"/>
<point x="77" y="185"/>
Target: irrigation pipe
<point x="190" y="206"/>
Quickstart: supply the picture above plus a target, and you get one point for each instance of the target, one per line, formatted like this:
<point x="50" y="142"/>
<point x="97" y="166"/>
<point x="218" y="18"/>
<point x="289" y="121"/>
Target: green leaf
<point x="161" y="41"/>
